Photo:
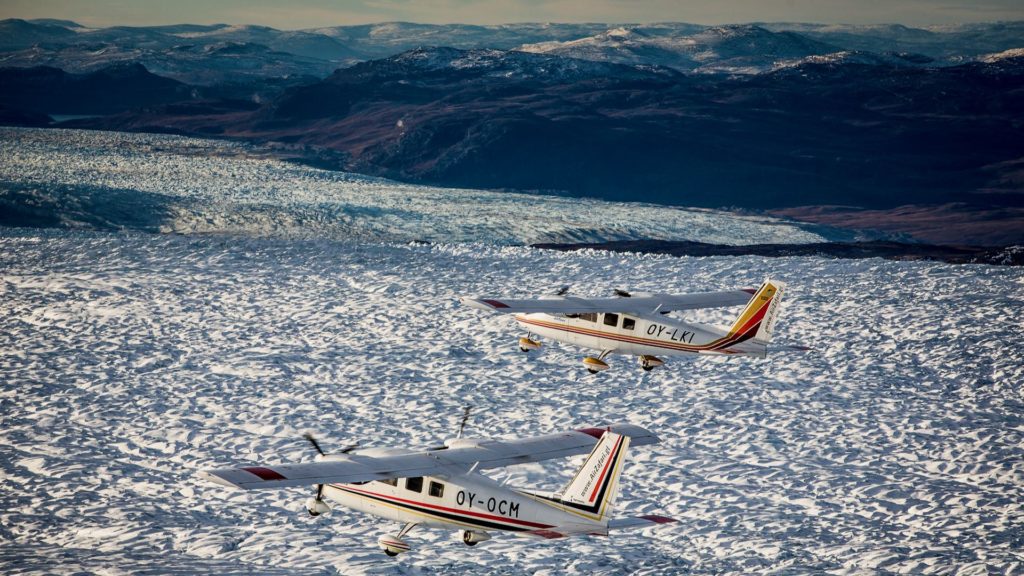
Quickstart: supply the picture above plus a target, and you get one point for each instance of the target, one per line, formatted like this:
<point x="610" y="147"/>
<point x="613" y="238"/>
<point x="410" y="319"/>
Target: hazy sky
<point x="286" y="14"/>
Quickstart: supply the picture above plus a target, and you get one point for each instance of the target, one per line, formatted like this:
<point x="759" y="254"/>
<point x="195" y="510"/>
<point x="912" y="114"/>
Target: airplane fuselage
<point x="466" y="502"/>
<point x="637" y="335"/>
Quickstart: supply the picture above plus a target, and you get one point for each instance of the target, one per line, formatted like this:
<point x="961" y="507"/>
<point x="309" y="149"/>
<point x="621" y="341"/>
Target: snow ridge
<point x="130" y="361"/>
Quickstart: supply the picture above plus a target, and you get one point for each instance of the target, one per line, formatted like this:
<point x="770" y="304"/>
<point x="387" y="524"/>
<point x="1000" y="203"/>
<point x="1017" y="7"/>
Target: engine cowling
<point x="463" y="443"/>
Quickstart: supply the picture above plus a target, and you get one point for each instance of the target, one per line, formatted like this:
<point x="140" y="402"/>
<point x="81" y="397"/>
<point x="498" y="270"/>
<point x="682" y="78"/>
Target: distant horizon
<point x="521" y="23"/>
<point x="312" y="14"/>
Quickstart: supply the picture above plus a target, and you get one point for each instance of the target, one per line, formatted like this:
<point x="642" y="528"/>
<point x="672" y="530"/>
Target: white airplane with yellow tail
<point x="637" y="324"/>
<point x="443" y="488"/>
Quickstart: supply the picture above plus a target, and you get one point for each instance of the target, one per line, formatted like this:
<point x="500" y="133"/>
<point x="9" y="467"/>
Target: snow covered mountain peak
<point x="1004" y="55"/>
<point x="741" y="48"/>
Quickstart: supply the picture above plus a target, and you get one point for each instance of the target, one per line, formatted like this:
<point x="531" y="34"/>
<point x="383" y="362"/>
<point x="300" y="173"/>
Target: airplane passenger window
<point x="589" y="317"/>
<point x="414" y="484"/>
<point x="436" y="489"/>
<point x="572" y="315"/>
<point x="628" y="323"/>
<point x="611" y="319"/>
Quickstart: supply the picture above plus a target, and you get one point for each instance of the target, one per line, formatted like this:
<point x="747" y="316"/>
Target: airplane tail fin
<point x="596" y="484"/>
<point x="757" y="320"/>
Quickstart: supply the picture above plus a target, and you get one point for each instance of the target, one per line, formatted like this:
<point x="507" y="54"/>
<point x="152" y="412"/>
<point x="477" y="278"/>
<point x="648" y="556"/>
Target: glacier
<point x="129" y="361"/>
<point x="172" y="184"/>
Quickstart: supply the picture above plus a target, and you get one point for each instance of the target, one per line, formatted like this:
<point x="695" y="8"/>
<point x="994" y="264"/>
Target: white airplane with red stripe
<point x="637" y="324"/>
<point x="444" y="488"/>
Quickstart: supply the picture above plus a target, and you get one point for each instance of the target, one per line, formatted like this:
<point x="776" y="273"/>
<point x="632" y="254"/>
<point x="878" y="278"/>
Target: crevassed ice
<point x="211" y="186"/>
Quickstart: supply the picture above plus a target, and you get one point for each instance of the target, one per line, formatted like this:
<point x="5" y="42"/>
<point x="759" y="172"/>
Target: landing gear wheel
<point x="390" y="553"/>
<point x="467" y="537"/>
<point x="647" y="368"/>
<point x="592" y="371"/>
<point x="521" y="349"/>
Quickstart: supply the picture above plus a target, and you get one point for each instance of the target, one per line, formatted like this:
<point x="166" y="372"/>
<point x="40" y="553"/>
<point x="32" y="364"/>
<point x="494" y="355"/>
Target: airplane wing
<point x="464" y="454"/>
<point x="636" y="305"/>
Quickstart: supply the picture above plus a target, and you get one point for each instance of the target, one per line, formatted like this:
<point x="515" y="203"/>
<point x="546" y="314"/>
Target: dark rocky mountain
<point x="16" y="34"/>
<point x="1008" y="256"/>
<point x="953" y="44"/>
<point x="113" y="89"/>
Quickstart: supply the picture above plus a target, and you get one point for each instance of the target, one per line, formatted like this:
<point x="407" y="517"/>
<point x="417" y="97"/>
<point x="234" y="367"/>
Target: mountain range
<point x="806" y="119"/>
<point x="217" y="53"/>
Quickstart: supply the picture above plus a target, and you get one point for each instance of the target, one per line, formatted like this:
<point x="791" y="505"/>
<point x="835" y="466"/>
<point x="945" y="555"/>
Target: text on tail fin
<point x="758" y="318"/>
<point x="594" y="487"/>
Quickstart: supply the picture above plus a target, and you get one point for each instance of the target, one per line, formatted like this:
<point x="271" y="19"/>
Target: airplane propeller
<point x="315" y="506"/>
<point x="316" y="445"/>
<point x="465" y="418"/>
<point x="462" y="426"/>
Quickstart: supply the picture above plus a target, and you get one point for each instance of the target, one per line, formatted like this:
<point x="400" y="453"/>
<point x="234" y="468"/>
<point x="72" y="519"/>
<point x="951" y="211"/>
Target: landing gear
<point x="394" y="545"/>
<point x="527" y="343"/>
<point x="649" y="363"/>
<point x="595" y="365"/>
<point x="316" y="505"/>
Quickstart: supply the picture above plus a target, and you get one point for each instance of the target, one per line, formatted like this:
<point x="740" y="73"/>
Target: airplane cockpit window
<point x="414" y="484"/>
<point x="589" y="316"/>
<point x="392" y="481"/>
<point x="628" y="323"/>
<point x="611" y="319"/>
<point x="436" y="489"/>
<point x="571" y="315"/>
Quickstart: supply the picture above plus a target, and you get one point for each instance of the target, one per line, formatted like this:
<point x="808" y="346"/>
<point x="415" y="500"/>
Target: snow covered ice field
<point x="131" y="360"/>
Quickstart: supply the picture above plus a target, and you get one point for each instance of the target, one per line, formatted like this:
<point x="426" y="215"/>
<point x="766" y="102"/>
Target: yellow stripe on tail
<point x="758" y="319"/>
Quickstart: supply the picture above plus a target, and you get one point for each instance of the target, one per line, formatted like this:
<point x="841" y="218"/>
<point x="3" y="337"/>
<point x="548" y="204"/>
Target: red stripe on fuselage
<point x="716" y="345"/>
<point x="405" y="502"/>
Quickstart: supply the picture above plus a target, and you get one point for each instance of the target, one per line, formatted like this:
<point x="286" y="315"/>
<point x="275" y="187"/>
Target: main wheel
<point x="592" y="371"/>
<point x="521" y="349"/>
<point x="647" y="368"/>
<point x="390" y="553"/>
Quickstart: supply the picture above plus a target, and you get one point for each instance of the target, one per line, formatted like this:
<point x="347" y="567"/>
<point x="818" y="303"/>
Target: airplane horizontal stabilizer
<point x="645" y="521"/>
